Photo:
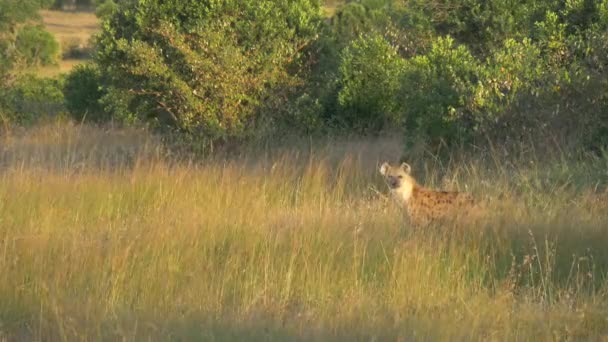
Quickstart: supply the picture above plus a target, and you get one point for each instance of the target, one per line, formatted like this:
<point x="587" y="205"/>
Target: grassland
<point x="73" y="31"/>
<point x="105" y="235"/>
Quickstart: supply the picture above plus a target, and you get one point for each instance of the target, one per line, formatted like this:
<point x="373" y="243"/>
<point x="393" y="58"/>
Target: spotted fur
<point x="423" y="205"/>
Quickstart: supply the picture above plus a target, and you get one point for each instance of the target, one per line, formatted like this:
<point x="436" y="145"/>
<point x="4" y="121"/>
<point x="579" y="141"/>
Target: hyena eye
<point x="400" y="176"/>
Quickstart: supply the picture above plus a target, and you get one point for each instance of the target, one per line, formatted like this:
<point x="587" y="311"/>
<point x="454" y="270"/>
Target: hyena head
<point x="399" y="179"/>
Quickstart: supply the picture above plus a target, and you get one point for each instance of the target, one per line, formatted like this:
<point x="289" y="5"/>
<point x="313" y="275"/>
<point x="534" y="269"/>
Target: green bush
<point x="302" y="115"/>
<point x="82" y="90"/>
<point x="444" y="70"/>
<point x="450" y="95"/>
<point x="32" y="98"/>
<point x="37" y="46"/>
<point x="23" y="42"/>
<point x="105" y="8"/>
<point x="603" y="14"/>
<point x="370" y="73"/>
<point x="355" y="19"/>
<point x="438" y="91"/>
<point x="209" y="92"/>
<point x="403" y="23"/>
<point x="514" y="73"/>
<point x="202" y="67"/>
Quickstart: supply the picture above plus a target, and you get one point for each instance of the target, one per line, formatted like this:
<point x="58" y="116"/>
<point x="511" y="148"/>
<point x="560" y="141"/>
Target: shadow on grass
<point x="192" y="327"/>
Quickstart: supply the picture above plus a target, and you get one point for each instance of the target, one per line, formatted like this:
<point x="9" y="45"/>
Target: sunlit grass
<point x="102" y="236"/>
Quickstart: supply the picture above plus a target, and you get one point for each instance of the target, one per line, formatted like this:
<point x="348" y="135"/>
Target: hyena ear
<point x="384" y="168"/>
<point x="406" y="168"/>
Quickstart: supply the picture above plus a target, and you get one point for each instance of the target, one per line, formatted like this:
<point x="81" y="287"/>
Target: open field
<point x="72" y="30"/>
<point x="68" y="26"/>
<point x="103" y="237"/>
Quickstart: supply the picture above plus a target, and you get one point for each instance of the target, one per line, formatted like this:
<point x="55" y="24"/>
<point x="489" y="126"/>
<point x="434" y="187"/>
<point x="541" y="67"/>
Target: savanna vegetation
<point x="209" y="169"/>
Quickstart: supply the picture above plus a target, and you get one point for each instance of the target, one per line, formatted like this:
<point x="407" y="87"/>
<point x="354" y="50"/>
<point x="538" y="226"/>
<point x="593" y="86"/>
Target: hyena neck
<point x="405" y="192"/>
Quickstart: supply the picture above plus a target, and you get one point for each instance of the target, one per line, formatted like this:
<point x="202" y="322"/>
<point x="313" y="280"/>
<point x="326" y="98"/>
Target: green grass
<point x="103" y="237"/>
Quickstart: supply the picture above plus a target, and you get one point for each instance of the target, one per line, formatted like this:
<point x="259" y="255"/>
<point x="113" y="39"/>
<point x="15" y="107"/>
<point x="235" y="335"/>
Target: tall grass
<point x="104" y="237"/>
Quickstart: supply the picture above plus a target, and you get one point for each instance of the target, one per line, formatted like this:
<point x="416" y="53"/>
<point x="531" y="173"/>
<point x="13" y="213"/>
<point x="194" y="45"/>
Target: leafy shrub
<point x="450" y="95"/>
<point x="402" y="23"/>
<point x="438" y="91"/>
<point x="302" y="115"/>
<point x="370" y="73"/>
<point x="212" y="93"/>
<point x="82" y="90"/>
<point x="201" y="67"/>
<point x="15" y="12"/>
<point x="32" y="98"/>
<point x="37" y="46"/>
<point x="603" y="13"/>
<point x="105" y="8"/>
<point x="23" y="42"/>
<point x="355" y="19"/>
<point x="446" y="70"/>
<point x="514" y="73"/>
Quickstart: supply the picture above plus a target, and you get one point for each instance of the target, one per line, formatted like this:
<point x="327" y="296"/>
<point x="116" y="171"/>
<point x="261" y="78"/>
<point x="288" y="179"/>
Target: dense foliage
<point x="202" y="67"/>
<point x="441" y="71"/>
<point x="476" y="69"/>
<point x="24" y="44"/>
<point x="82" y="93"/>
<point x="29" y="98"/>
<point x="370" y="72"/>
